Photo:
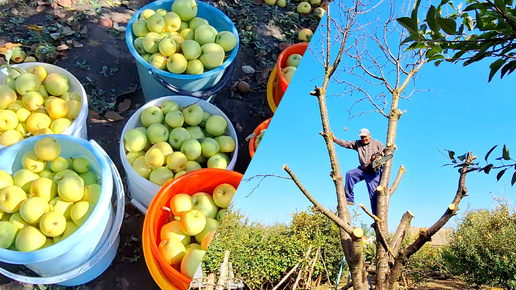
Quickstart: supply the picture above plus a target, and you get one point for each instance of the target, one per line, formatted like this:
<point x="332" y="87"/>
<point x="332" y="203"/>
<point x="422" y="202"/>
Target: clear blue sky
<point x="461" y="112"/>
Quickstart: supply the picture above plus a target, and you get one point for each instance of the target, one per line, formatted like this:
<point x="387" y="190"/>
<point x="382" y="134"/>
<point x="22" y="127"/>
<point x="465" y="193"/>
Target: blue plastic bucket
<point x="158" y="83"/>
<point x="88" y="252"/>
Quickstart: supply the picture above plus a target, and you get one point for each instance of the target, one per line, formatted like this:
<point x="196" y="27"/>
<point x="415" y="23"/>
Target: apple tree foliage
<point x="482" y="250"/>
<point x="262" y="255"/>
<point x="478" y="30"/>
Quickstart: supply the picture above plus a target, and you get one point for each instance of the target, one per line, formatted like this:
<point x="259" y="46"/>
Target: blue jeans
<point x="372" y="180"/>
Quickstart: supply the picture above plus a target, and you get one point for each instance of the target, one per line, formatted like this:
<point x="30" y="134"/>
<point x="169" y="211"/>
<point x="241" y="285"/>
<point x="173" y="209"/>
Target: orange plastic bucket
<point x="204" y="180"/>
<point x="271" y="89"/>
<point x="282" y="84"/>
<point x="252" y="144"/>
<point x="154" y="267"/>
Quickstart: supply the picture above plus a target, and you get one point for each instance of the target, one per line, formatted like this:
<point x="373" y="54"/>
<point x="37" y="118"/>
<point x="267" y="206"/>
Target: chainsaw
<point x="377" y="161"/>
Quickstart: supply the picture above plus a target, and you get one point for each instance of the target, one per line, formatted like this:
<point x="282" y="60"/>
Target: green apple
<point x="8" y="233"/>
<point x="135" y="140"/>
<point x="191" y="148"/>
<point x="288" y="73"/>
<point x="57" y="84"/>
<point x="33" y="209"/>
<point x="207" y="239"/>
<point x="315" y="2"/>
<point x="89" y="177"/>
<point x="201" y="159"/>
<point x="81" y="165"/>
<point x="146" y="57"/>
<point x="178" y="39"/>
<point x="5" y="179"/>
<point x="196" y="22"/>
<point x="179" y="173"/>
<point x="227" y="40"/>
<point x="30" y="239"/>
<point x="216" y="125"/>
<point x="204" y="202"/>
<point x="23" y="178"/>
<point x="138" y="45"/>
<point x="27" y="83"/>
<point x="191" y="49"/>
<point x="204" y="119"/>
<point x="22" y="128"/>
<point x="177" y="63"/>
<point x="212" y="55"/>
<point x="10" y="82"/>
<point x="211" y="224"/>
<point x="177" y="136"/>
<point x="158" y="61"/>
<point x="141" y="167"/>
<point x="47" y="174"/>
<point x="33" y="101"/>
<point x="151" y="42"/>
<point x="92" y="193"/>
<point x="294" y="59"/>
<point x="192" y="222"/>
<point x="157" y="133"/>
<point x="319" y="12"/>
<point x="44" y="188"/>
<point x="196" y="132"/>
<point x="187" y="34"/>
<point x="161" y="12"/>
<point x="80" y="212"/>
<point x="169" y="106"/>
<point x="191" y="261"/>
<point x="167" y="46"/>
<point x="223" y="194"/>
<point x="38" y="121"/>
<point x="31" y="162"/>
<point x="154" y="158"/>
<point x="71" y="188"/>
<point x="11" y="198"/>
<point x="194" y="67"/>
<point x="270" y="2"/>
<point x="7" y="96"/>
<point x="49" y="242"/>
<point x="175" y="119"/>
<point x="172" y="230"/>
<point x="305" y="34"/>
<point x="177" y="161"/>
<point x="131" y="156"/>
<point x="282" y="3"/>
<point x="221" y="214"/>
<point x="147" y="13"/>
<point x="217" y="161"/>
<point x="193" y="114"/>
<point x="18" y="55"/>
<point x="180" y="203"/>
<point x="52" y="224"/>
<point x="47" y="148"/>
<point x="192" y="165"/>
<point x="17" y="220"/>
<point x="164" y="147"/>
<point x="8" y="120"/>
<point x="186" y="9"/>
<point x="172" y="250"/>
<point x="204" y="34"/>
<point x="161" y="175"/>
<point x="227" y="143"/>
<point x="10" y="137"/>
<point x="151" y="115"/>
<point x="60" y="206"/>
<point x="172" y="22"/>
<point x="304" y="8"/>
<point x="64" y="173"/>
<point x="71" y="227"/>
<point x="156" y="23"/>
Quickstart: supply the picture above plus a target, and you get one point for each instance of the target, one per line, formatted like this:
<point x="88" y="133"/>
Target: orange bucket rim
<point x="252" y="144"/>
<point x="271" y="88"/>
<point x="281" y="78"/>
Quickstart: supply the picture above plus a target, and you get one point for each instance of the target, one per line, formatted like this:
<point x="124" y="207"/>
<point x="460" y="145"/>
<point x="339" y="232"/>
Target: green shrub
<point x="483" y="249"/>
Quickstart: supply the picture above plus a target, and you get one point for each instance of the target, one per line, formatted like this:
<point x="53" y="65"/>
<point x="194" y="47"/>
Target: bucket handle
<point x="204" y="95"/>
<point x="115" y="229"/>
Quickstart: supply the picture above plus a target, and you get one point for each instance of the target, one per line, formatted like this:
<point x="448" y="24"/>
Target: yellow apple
<point x="52" y="224"/>
<point x="71" y="227"/>
<point x="31" y="162"/>
<point x="43" y="187"/>
<point x="80" y="212"/>
<point x="30" y="239"/>
<point x="47" y="148"/>
<point x="71" y="188"/>
<point x="33" y="209"/>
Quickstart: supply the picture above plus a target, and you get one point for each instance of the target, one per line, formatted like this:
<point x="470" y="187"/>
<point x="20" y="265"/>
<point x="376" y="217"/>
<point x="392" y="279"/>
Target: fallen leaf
<point x="124" y="105"/>
<point x="105" y="22"/>
<point x="84" y="30"/>
<point x="8" y="46"/>
<point x="77" y="44"/>
<point x="64" y="3"/>
<point x="35" y="27"/>
<point x="119" y="28"/>
<point x="248" y="69"/>
<point x="68" y="31"/>
<point x="55" y="35"/>
<point x="62" y="47"/>
<point x="113" y="116"/>
<point x="266" y="72"/>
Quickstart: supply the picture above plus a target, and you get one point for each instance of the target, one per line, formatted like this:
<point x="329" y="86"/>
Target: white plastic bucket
<point x="88" y="252"/>
<point x="158" y="83"/>
<point x="141" y="190"/>
<point x="78" y="127"/>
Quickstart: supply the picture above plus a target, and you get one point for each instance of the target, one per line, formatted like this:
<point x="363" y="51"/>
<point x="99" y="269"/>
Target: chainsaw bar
<point x="377" y="163"/>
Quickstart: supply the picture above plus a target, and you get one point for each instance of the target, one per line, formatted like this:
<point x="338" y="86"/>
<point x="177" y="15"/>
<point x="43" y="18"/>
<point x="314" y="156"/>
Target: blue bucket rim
<point x="129" y="41"/>
<point x="48" y="253"/>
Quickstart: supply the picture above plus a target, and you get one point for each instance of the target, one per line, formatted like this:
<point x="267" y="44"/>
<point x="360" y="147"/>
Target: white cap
<point x="364" y="132"/>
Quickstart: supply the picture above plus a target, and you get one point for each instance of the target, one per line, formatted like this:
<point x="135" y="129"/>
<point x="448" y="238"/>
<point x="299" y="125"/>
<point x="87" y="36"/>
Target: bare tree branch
<point x="396" y="182"/>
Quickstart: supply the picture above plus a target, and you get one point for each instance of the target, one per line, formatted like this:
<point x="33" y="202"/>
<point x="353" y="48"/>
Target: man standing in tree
<point x="368" y="149"/>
